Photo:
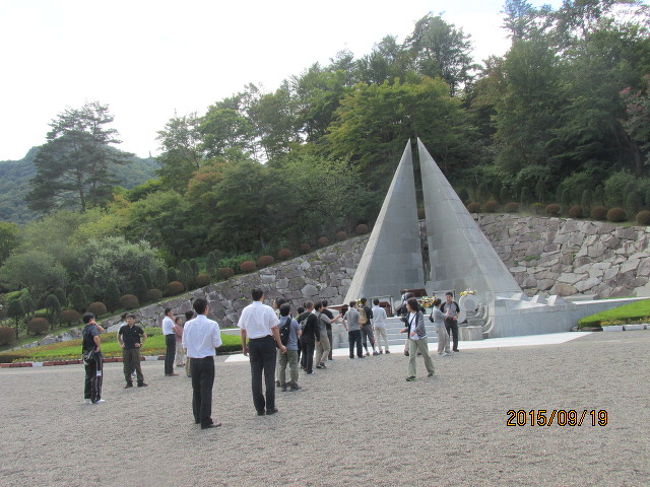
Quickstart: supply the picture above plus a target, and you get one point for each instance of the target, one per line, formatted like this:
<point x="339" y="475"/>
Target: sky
<point x="149" y="60"/>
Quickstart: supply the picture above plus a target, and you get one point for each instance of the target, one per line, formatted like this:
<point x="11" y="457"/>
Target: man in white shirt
<point x="379" y="322"/>
<point x="170" y="341"/>
<point x="201" y="336"/>
<point x="259" y="324"/>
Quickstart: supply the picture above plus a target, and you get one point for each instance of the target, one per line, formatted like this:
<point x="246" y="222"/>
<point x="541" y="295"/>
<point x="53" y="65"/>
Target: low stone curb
<point x="642" y="326"/>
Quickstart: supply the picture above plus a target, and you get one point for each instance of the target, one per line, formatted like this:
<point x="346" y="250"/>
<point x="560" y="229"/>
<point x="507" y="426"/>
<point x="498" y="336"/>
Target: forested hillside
<point x="15" y="179"/>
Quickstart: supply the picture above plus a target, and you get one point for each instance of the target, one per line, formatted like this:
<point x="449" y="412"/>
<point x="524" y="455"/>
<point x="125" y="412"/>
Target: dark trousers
<point x="131" y="360"/>
<point x="367" y="334"/>
<point x="170" y="341"/>
<point x="452" y="328"/>
<point x="355" y="337"/>
<point x="263" y="358"/>
<point x="94" y="376"/>
<point x="202" y="379"/>
<point x="329" y="335"/>
<point x="307" y="359"/>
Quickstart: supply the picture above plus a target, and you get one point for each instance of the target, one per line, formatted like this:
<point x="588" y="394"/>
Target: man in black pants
<point x="451" y="309"/>
<point x="170" y="341"/>
<point x="259" y="324"/>
<point x="310" y="335"/>
<point x="93" y="361"/>
<point x="201" y="336"/>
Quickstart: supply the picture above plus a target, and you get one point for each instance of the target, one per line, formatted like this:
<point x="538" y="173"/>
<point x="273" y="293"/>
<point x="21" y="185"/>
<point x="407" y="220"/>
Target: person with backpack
<point x="310" y="334"/>
<point x="365" y="317"/>
<point x="451" y="309"/>
<point x="323" y="346"/>
<point x="289" y="335"/>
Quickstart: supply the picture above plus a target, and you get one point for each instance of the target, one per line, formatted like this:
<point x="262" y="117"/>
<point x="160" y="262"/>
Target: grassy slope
<point x="637" y="311"/>
<point x="154" y="345"/>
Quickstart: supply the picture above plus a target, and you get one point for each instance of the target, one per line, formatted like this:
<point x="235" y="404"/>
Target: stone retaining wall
<point x="567" y="257"/>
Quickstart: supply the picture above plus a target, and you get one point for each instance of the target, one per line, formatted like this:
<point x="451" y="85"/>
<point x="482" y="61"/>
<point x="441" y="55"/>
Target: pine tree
<point x="16" y="312"/>
<point x="53" y="306"/>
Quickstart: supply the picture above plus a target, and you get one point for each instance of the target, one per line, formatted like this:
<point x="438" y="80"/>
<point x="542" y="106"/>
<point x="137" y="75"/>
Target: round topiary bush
<point x="643" y="217"/>
<point x="305" y="247"/>
<point x="474" y="207"/>
<point x="616" y="215"/>
<point x="491" y="206"/>
<point x="362" y="229"/>
<point x="129" y="301"/>
<point x="248" y="266"/>
<point x="512" y="207"/>
<point x="265" y="261"/>
<point x="284" y="254"/>
<point x="97" y="308"/>
<point x="341" y="235"/>
<point x="323" y="241"/>
<point x="154" y="295"/>
<point x="225" y="272"/>
<point x="202" y="280"/>
<point x="576" y="211"/>
<point x="599" y="213"/>
<point x="7" y="335"/>
<point x="70" y="316"/>
<point x="553" y="209"/>
<point x="174" y="288"/>
<point x="37" y="326"/>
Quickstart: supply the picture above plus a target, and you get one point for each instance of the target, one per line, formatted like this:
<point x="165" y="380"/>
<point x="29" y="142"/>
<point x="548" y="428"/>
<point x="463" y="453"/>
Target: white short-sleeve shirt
<point x="257" y="319"/>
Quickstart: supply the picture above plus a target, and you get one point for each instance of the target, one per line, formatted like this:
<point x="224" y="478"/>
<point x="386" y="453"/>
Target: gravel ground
<point x="356" y="423"/>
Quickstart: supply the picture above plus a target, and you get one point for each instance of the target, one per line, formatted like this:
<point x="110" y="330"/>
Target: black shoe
<point x="142" y="384"/>
<point x="430" y="374"/>
<point x="309" y="372"/>
<point x="261" y="413"/>
<point x="456" y="350"/>
<point x="128" y="385"/>
<point x="351" y="356"/>
<point x="410" y="379"/>
<point x="271" y="411"/>
<point x="406" y="353"/>
<point x="277" y="383"/>
<point x="320" y="367"/>
<point x="361" y="356"/>
<point x="387" y="352"/>
<point x="210" y="425"/>
<point x="295" y="387"/>
<point x="284" y="388"/>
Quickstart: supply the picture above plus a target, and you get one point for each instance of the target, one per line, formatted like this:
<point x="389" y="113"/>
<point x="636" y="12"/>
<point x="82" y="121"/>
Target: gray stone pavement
<point x="358" y="422"/>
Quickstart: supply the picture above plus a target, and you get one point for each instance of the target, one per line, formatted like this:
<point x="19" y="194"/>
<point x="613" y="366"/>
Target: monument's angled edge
<point x="392" y="259"/>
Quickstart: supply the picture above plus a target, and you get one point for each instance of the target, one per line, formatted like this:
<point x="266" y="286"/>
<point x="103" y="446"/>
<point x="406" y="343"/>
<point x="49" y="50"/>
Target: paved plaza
<point x="357" y="423"/>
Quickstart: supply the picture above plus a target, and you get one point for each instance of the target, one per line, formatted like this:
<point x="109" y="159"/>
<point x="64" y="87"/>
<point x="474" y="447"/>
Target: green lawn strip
<point x="154" y="345"/>
<point x="638" y="311"/>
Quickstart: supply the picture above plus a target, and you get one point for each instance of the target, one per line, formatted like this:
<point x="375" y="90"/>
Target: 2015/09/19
<point x="560" y="417"/>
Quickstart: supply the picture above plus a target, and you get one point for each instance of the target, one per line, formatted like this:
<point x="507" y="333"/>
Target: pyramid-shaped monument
<point x="392" y="259"/>
<point x="460" y="254"/>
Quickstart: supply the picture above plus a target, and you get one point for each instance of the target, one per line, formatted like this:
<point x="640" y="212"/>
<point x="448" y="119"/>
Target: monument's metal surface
<point x="460" y="254"/>
<point x="392" y="259"/>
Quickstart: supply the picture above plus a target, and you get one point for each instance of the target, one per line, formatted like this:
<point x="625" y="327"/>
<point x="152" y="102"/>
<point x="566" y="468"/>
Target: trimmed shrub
<point x="323" y="241"/>
<point x="616" y="215"/>
<point x="305" y="247"/>
<point x="154" y="295"/>
<point x="37" y="326"/>
<point x="491" y="206"/>
<point x="202" y="280"/>
<point x="97" y="308"/>
<point x="174" y="288"/>
<point x="474" y="207"/>
<point x="341" y="235"/>
<point x="265" y="261"/>
<point x="362" y="229"/>
<point x="576" y="211"/>
<point x="70" y="316"/>
<point x="537" y="208"/>
<point x="512" y="207"/>
<point x="248" y="266"/>
<point x="553" y="209"/>
<point x="129" y="301"/>
<point x="7" y="335"/>
<point x="599" y="213"/>
<point x="284" y="254"/>
<point x="643" y="217"/>
<point x="225" y="273"/>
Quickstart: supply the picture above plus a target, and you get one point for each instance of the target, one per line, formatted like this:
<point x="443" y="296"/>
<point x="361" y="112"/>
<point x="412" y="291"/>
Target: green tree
<point x="33" y="269"/>
<point x="388" y="61"/>
<point x="15" y="311"/>
<point x="112" y="295"/>
<point x="53" y="306"/>
<point x="181" y="141"/>
<point x="9" y="239"/>
<point x="185" y="273"/>
<point x="73" y="166"/>
<point x="140" y="288"/>
<point x="78" y="299"/>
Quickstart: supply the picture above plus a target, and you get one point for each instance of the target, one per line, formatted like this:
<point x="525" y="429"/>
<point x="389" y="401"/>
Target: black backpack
<point x="285" y="331"/>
